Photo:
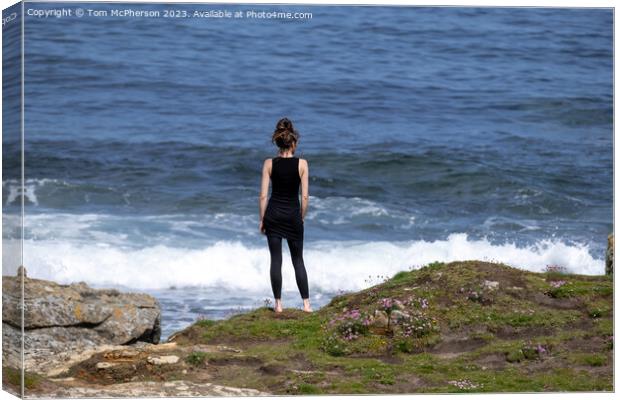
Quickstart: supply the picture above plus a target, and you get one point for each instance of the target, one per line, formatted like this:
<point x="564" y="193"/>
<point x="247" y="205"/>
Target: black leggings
<point x="275" y="250"/>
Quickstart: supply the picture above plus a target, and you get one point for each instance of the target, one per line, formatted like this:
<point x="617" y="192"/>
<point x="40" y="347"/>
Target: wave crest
<point x="331" y="266"/>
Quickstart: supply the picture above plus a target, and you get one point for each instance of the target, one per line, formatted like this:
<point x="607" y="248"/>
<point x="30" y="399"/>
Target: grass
<point x="589" y="359"/>
<point x="196" y="358"/>
<point x="363" y="365"/>
<point x="12" y="377"/>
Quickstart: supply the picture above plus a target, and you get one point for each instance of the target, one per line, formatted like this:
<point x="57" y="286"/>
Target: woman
<point x="283" y="217"/>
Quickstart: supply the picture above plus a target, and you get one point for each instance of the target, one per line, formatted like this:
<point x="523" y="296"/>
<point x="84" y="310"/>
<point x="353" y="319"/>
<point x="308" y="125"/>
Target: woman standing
<point x="282" y="216"/>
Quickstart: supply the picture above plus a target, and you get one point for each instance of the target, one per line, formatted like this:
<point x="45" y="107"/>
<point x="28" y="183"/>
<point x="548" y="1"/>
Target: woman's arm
<point x="304" y="187"/>
<point x="264" y="189"/>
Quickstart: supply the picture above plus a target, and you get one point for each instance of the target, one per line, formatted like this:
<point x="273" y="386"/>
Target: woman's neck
<point x="287" y="154"/>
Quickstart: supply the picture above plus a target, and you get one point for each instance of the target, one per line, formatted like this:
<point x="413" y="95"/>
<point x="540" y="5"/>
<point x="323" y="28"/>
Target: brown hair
<point x="285" y="135"/>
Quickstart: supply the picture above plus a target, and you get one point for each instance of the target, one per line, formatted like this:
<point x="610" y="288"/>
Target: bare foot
<point x="278" y="306"/>
<point x="307" y="305"/>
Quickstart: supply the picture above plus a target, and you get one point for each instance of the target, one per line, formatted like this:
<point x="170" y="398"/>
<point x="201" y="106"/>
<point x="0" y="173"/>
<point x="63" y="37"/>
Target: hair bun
<point x="285" y="134"/>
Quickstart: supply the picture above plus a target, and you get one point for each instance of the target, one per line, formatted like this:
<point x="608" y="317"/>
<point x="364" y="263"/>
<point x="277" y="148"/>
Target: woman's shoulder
<point x="303" y="166"/>
<point x="267" y="163"/>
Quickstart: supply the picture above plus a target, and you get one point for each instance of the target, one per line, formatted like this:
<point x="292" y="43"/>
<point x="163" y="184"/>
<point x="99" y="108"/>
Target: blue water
<point x="431" y="134"/>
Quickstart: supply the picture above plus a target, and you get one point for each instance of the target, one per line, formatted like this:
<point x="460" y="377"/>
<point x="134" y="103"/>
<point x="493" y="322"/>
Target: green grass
<point x="308" y="388"/>
<point x="592" y="360"/>
<point x="196" y="358"/>
<point x="357" y="366"/>
<point x="205" y="323"/>
<point x="577" y="288"/>
<point x="13" y="377"/>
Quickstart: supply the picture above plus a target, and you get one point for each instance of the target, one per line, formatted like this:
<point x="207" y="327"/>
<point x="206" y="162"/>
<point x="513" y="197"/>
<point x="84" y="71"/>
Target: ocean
<point x="432" y="134"/>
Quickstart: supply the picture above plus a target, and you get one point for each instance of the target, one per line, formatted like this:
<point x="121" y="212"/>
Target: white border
<point x="457" y="3"/>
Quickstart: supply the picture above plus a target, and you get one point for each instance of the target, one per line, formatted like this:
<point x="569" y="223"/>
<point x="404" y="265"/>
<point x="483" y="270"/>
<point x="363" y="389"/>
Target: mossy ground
<point x="519" y="332"/>
<point x="11" y="381"/>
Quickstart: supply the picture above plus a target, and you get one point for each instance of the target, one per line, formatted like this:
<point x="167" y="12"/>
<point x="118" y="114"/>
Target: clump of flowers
<point x="560" y="288"/>
<point x="413" y="301"/>
<point x="333" y="345"/>
<point x="533" y="351"/>
<point x="388" y="305"/>
<point x="555" y="269"/>
<point x="424" y="303"/>
<point x="414" y="324"/>
<point x="417" y="324"/>
<point x="465" y="384"/>
<point x="540" y="349"/>
<point x="350" y="324"/>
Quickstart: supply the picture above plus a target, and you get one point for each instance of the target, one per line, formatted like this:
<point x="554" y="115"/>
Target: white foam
<point x="338" y="210"/>
<point x="29" y="190"/>
<point x="331" y="266"/>
<point x="94" y="227"/>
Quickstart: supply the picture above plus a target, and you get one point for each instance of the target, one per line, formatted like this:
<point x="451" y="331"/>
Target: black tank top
<point x="285" y="179"/>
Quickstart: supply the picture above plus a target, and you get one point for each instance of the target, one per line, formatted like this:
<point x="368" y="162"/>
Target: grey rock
<point x="177" y="388"/>
<point x="161" y="360"/>
<point x="69" y="319"/>
<point x="396" y="314"/>
<point x="379" y="319"/>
